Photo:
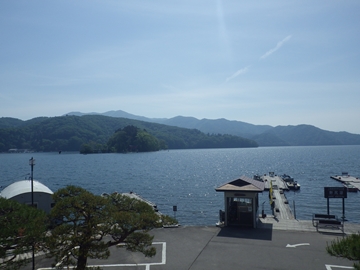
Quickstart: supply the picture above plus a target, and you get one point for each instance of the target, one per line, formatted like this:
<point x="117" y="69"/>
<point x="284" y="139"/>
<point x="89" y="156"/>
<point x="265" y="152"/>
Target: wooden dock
<point x="282" y="209"/>
<point x="275" y="180"/>
<point x="346" y="178"/>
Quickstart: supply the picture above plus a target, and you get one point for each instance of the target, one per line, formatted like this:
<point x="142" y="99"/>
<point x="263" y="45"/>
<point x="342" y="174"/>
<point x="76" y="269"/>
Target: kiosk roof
<point x="243" y="183"/>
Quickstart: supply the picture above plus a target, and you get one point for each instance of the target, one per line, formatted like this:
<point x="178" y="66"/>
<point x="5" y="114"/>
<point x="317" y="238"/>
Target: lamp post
<point x="32" y="163"/>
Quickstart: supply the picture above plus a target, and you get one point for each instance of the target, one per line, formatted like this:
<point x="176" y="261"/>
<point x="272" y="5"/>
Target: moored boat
<point x="258" y="177"/>
<point x="293" y="185"/>
<point x="290" y="182"/>
<point x="287" y="178"/>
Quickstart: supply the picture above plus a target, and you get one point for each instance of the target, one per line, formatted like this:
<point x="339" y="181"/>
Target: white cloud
<point x="278" y="46"/>
<point x="237" y="73"/>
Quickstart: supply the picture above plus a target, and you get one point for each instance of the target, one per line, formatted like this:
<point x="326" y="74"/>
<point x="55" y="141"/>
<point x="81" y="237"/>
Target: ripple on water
<point x="188" y="178"/>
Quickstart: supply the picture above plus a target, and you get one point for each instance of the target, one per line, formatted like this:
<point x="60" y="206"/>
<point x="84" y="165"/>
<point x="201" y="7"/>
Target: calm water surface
<point x="188" y="178"/>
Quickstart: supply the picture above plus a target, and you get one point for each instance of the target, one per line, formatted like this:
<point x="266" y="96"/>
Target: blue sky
<point x="261" y="62"/>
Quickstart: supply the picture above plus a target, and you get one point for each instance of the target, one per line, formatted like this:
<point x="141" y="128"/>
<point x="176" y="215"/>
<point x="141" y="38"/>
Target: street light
<point x="32" y="163"/>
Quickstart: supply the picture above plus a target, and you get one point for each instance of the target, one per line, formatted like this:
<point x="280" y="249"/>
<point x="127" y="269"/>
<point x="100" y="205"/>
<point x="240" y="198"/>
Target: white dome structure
<point x="21" y="192"/>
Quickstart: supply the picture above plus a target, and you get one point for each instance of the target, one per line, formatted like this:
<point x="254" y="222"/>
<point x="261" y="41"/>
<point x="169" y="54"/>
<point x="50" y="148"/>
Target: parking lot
<point x="196" y="248"/>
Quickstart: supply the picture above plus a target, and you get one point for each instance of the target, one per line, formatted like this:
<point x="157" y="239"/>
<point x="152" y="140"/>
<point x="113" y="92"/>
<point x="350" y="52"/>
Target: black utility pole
<point x="32" y="163"/>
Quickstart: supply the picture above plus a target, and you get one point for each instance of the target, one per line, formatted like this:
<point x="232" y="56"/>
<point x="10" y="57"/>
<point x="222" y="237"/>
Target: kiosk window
<point x="243" y="201"/>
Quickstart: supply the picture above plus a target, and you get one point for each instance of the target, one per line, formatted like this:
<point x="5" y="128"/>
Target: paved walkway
<point x="271" y="222"/>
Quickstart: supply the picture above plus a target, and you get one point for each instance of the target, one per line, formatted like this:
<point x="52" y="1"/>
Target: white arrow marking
<point x="296" y="245"/>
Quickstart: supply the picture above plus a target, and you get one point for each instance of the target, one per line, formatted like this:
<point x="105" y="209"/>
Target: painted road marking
<point x="296" y="245"/>
<point x="330" y="267"/>
<point x="147" y="265"/>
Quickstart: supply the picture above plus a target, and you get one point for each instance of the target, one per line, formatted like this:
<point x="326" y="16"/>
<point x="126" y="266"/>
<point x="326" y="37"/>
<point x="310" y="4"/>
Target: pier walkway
<point x="344" y="178"/>
<point x="276" y="181"/>
<point x="282" y="209"/>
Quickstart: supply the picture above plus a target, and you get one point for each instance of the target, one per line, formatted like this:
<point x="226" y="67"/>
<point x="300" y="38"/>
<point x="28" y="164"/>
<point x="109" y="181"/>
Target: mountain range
<point x="264" y="135"/>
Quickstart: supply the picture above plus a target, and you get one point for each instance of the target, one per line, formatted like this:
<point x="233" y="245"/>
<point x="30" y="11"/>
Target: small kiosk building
<point x="241" y="198"/>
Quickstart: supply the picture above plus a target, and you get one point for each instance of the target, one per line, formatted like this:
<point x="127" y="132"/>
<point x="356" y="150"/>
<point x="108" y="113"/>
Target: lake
<point x="188" y="178"/>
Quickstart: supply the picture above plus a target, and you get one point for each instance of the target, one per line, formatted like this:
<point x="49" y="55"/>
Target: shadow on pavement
<point x="246" y="233"/>
<point x="336" y="233"/>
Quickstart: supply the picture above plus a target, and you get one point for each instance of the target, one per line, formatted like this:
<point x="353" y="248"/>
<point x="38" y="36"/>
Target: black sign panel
<point x="335" y="192"/>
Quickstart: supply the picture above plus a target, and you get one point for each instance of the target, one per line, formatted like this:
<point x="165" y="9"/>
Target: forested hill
<point x="69" y="133"/>
<point x="264" y="135"/>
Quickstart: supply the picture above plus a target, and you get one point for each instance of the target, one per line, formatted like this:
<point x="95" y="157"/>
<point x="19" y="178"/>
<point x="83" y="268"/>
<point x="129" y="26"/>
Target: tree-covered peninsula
<point x="97" y="133"/>
<point x="132" y="139"/>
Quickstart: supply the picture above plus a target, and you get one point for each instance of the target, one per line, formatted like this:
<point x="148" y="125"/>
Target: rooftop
<point x="243" y="183"/>
<point x="23" y="186"/>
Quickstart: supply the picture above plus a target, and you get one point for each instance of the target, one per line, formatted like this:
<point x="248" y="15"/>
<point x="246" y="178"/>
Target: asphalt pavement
<point x="275" y="244"/>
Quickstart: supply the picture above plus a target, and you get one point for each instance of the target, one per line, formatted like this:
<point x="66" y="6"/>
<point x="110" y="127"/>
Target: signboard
<point x="335" y="192"/>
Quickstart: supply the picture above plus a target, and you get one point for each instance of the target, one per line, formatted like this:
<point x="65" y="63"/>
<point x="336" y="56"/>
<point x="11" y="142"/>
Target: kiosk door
<point x="240" y="211"/>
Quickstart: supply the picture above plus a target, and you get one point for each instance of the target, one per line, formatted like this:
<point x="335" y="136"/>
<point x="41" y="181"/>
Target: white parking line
<point x="330" y="267"/>
<point x="147" y="265"/>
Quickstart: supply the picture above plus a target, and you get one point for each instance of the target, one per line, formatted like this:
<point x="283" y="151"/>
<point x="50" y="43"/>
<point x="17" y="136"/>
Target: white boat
<point x="293" y="185"/>
<point x="290" y="182"/>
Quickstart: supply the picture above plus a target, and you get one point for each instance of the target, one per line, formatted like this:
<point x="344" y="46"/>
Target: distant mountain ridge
<point x="95" y="134"/>
<point x="8" y="122"/>
<point x="118" y="113"/>
<point x="264" y="135"/>
<point x="217" y="126"/>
